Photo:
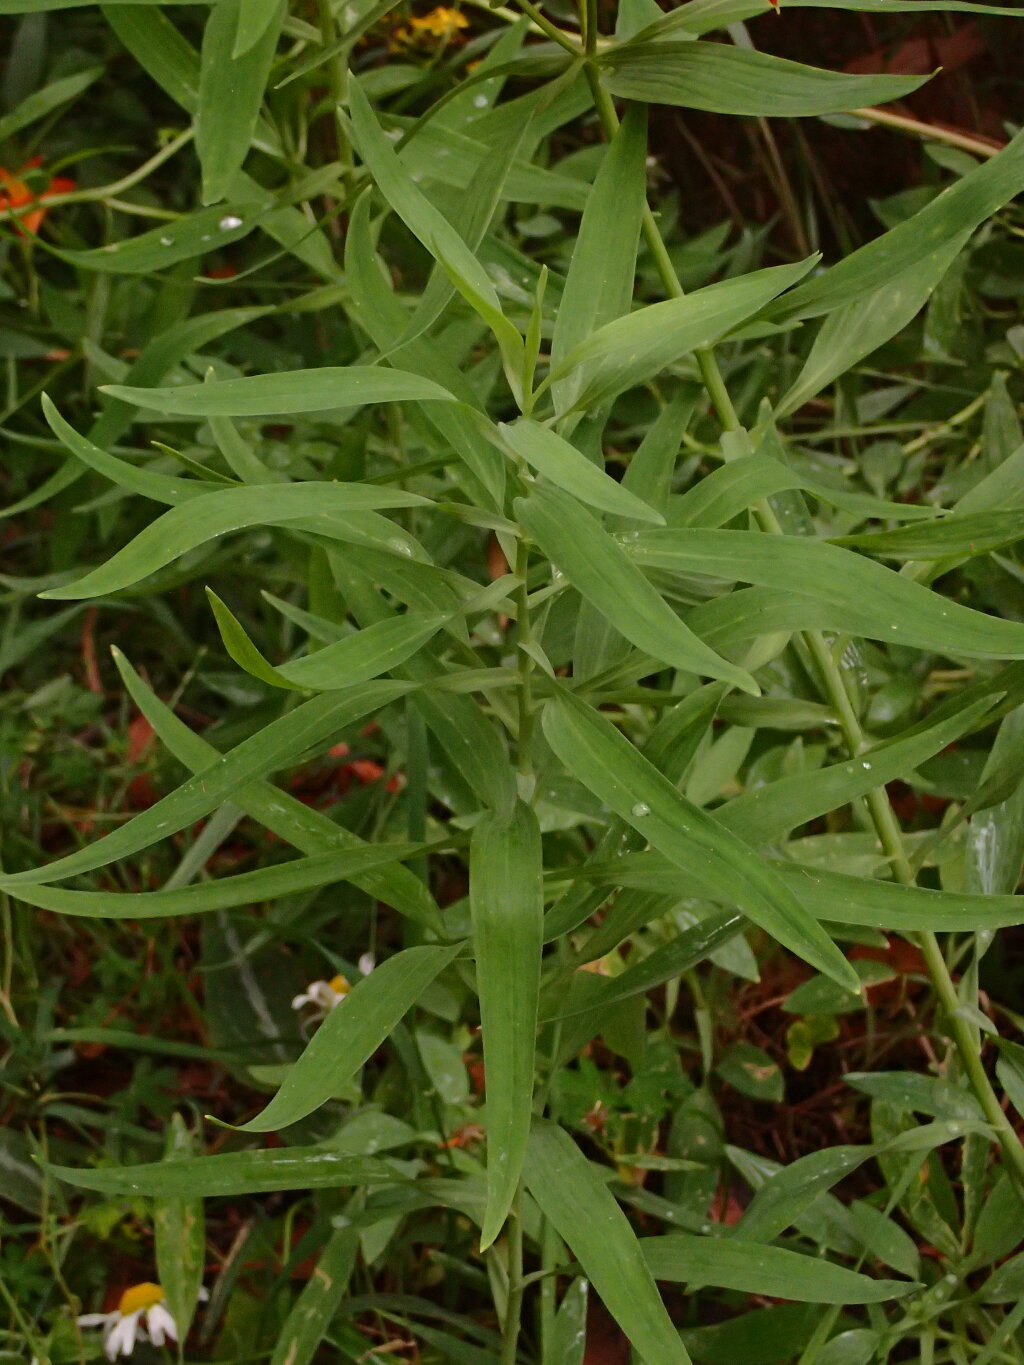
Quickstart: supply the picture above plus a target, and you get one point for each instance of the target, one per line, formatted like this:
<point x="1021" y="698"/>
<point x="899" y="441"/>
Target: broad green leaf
<point x="856" y="330"/>
<point x="507" y="905"/>
<point x="351" y="1033"/>
<point x="310" y="1318"/>
<point x="185" y="527"/>
<point x="736" y="80"/>
<point x="247" y="888"/>
<point x="363" y="655"/>
<point x="755" y="1269"/>
<point x="912" y="1093"/>
<point x="578" y="1202"/>
<point x="46" y="100"/>
<point x="316" y="723"/>
<point x="311" y="831"/>
<point x="898" y="610"/>
<point x="967" y="534"/>
<point x="430" y="226"/>
<point x="635" y="348"/>
<point x="181" y="240"/>
<point x="179" y="1236"/>
<point x="602" y="572"/>
<point x="569" y="1333"/>
<point x="273" y="395"/>
<point x="230" y="93"/>
<point x="610" y="767"/>
<point x="958" y="210"/>
<point x="752" y="1072"/>
<point x="553" y="456"/>
<point x="599" y="284"/>
<point x="234" y="1173"/>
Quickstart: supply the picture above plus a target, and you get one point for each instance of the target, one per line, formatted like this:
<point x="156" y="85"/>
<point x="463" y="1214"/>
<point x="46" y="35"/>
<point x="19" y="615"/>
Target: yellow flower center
<point x="441" y="22"/>
<point x="339" y="985"/>
<point x="139" y="1297"/>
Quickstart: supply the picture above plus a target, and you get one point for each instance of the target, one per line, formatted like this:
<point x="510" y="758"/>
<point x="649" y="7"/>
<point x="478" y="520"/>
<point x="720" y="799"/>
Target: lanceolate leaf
<point x="603" y="573"/>
<point x="553" y="456"/>
<point x="507" y="903"/>
<point x="736" y="80"/>
<point x="579" y="1204"/>
<point x="351" y="1033"/>
<point x="310" y="1318"/>
<point x="362" y="655"/>
<point x="309" y="830"/>
<point x="232" y="1173"/>
<point x="232" y="509"/>
<point x="755" y="1269"/>
<point x="272" y="395"/>
<point x="179" y="1236"/>
<point x="247" y="888"/>
<point x="314" y="723"/>
<point x="618" y="774"/>
<point x="195" y="234"/>
<point x="599" y="285"/>
<point x="231" y="92"/>
<point x="634" y="349"/>
<point x="902" y="612"/>
<point x="969" y="533"/>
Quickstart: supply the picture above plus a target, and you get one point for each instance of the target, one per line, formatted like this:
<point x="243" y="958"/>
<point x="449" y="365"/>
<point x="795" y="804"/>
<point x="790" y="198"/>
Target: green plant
<point x="501" y="494"/>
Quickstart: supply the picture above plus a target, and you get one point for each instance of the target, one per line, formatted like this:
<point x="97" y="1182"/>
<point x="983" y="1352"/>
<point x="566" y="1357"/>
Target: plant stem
<point x="514" y="1306"/>
<point x="834" y="682"/>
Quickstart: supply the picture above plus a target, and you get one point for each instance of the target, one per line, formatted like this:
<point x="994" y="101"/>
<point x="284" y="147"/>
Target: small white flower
<point x="141" y="1315"/>
<point x="325" y="996"/>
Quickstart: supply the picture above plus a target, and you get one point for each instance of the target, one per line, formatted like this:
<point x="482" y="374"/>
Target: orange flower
<point x="15" y="194"/>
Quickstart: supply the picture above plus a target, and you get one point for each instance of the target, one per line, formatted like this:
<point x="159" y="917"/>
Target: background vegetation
<point x="564" y="587"/>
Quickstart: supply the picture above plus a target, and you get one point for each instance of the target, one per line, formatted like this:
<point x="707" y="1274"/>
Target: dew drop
<point x="641" y="809"/>
<point x="866" y="767"/>
<point x="166" y="241"/>
<point x="229" y="222"/>
<point x="480" y="101"/>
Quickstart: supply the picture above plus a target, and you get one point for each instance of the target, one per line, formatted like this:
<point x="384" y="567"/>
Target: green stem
<point x="514" y="1306"/>
<point x="835" y="685"/>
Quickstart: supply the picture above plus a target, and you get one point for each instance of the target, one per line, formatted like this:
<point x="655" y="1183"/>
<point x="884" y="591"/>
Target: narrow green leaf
<point x="969" y="534"/>
<point x="47" y="99"/>
<point x="695" y="841"/>
<point x="230" y="93"/>
<point x="254" y="18"/>
<point x="273" y="395"/>
<point x="736" y="80"/>
<point x="360" y="656"/>
<point x="958" y="210"/>
<point x="890" y="606"/>
<point x="185" y="527"/>
<point x="234" y="1173"/>
<point x="310" y="1318"/>
<point x="351" y="1033"/>
<point x="855" y="331"/>
<point x="553" y="456"/>
<point x="837" y="897"/>
<point x="599" y="284"/>
<point x="317" y="722"/>
<point x="247" y="888"/>
<point x="184" y="239"/>
<point x="308" y="830"/>
<point x="601" y="570"/>
<point x="179" y="1236"/>
<point x="578" y="1202"/>
<point x="635" y="348"/>
<point x="507" y="904"/>
<point x="755" y="1269"/>
<point x="429" y="225"/>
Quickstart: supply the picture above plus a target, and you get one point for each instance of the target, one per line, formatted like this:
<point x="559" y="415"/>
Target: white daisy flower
<point x="325" y="996"/>
<point x="141" y="1315"/>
